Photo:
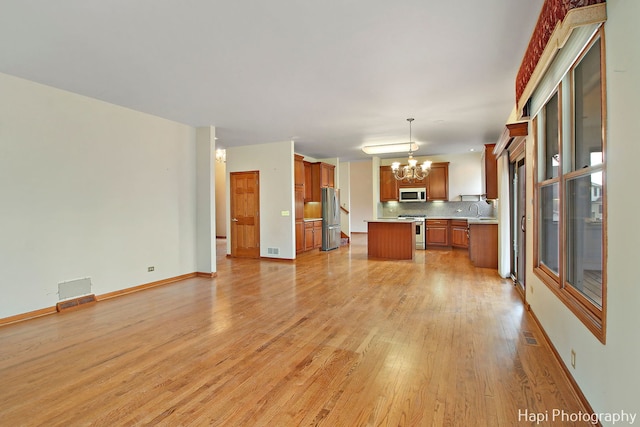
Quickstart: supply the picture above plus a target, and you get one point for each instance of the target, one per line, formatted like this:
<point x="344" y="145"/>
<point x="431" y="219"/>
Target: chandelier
<point x="411" y="172"/>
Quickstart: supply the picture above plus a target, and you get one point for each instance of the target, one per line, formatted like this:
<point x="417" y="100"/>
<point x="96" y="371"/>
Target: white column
<point x="504" y="218"/>
<point x="205" y="200"/>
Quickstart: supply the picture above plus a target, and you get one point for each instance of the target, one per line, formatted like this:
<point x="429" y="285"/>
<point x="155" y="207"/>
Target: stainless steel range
<point x="420" y="229"/>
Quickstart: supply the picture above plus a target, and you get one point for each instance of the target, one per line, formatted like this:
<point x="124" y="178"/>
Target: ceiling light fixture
<point x="221" y="155"/>
<point x="399" y="147"/>
<point x="411" y="172"/>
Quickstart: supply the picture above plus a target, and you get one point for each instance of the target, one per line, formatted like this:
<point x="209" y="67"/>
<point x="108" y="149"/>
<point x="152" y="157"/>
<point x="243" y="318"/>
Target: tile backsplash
<point x="439" y="209"/>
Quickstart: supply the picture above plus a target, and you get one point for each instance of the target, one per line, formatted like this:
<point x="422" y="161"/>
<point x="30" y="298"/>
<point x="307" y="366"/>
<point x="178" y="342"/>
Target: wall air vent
<point x="70" y="304"/>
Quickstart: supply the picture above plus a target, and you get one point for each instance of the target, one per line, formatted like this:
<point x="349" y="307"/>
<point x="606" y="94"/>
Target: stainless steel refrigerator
<point x="330" y="219"/>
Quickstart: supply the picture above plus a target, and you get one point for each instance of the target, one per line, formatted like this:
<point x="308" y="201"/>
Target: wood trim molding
<point x="510" y="133"/>
<point x="264" y="258"/>
<point x="28" y="315"/>
<point x="580" y="16"/>
<point x="576" y="388"/>
<point x="146" y="286"/>
<point x="207" y="275"/>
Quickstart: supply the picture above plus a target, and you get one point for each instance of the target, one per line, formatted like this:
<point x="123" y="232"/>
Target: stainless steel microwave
<point x="413" y="195"/>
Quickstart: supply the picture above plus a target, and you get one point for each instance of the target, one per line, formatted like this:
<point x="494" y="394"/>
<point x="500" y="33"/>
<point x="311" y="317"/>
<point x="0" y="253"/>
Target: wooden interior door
<point x="245" y="214"/>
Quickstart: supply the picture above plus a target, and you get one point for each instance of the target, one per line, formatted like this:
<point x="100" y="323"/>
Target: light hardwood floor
<point x="333" y="339"/>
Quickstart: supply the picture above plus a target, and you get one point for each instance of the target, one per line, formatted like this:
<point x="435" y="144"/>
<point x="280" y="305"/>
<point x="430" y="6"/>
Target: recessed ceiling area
<point x="333" y="76"/>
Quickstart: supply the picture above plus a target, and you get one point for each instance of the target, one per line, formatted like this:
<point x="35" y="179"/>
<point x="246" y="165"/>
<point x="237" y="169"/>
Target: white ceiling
<point x="332" y="75"/>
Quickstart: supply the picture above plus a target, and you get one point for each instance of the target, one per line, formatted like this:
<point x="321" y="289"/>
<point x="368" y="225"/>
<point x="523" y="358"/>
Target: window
<point x="548" y="176"/>
<point x="570" y="190"/>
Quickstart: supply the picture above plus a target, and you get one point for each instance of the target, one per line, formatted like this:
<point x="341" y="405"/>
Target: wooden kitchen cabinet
<point x="299" y="236"/>
<point x="438" y="182"/>
<point x="459" y="233"/>
<point x="327" y="175"/>
<point x="298" y="169"/>
<point x="490" y="172"/>
<point x="437" y="232"/>
<point x="312" y="235"/>
<point x="322" y="175"/>
<point x="299" y="202"/>
<point x="388" y="185"/>
<point x="307" y="181"/>
<point x="483" y="245"/>
<point x="415" y="184"/>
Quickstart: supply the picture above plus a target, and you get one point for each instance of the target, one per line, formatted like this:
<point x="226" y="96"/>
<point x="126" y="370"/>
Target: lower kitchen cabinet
<point x="459" y="233"/>
<point x="312" y="235"/>
<point x="437" y="232"/>
<point x="483" y="245"/>
<point x="299" y="236"/>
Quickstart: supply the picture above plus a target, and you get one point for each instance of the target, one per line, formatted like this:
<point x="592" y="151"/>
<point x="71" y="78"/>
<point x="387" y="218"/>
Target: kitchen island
<point x="391" y="238"/>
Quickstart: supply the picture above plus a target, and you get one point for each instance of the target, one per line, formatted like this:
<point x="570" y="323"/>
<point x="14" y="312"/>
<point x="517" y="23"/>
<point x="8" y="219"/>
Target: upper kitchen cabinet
<point x="388" y="185"/>
<point x="322" y="175"/>
<point x="307" y="180"/>
<point x="490" y="172"/>
<point x="414" y="184"/>
<point x="438" y="182"/>
<point x="327" y="174"/>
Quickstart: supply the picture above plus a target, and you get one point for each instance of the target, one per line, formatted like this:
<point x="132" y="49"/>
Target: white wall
<point x="607" y="374"/>
<point x="89" y="189"/>
<point x="361" y="195"/>
<point x="465" y="171"/>
<point x="274" y="161"/>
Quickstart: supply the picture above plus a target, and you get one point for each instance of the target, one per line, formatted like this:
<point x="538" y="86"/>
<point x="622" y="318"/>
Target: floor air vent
<point x="74" y="303"/>
<point x="530" y="338"/>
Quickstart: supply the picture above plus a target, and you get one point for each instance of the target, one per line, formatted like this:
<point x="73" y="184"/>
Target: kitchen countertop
<point x="469" y="219"/>
<point x="401" y="220"/>
<point x="312" y="219"/>
<point x="482" y="220"/>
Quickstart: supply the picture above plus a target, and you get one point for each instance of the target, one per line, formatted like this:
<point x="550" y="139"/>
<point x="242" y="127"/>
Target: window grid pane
<point x="549" y="246"/>
<point x="588" y="110"/>
<point x="551" y="147"/>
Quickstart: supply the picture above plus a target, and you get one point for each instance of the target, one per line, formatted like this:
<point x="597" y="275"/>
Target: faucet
<point x="477" y="209"/>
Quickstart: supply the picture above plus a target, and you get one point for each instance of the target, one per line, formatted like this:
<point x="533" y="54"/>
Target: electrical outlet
<point x="151" y="268"/>
<point x="573" y="358"/>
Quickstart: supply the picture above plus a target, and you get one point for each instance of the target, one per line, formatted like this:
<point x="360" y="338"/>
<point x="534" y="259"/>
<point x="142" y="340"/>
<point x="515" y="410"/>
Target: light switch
<point x="284" y="213"/>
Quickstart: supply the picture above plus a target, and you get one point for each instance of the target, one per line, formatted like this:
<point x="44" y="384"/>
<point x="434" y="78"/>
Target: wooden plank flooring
<point x="333" y="339"/>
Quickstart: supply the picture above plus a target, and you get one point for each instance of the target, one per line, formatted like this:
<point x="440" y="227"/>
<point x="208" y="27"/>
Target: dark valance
<point x="553" y="12"/>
